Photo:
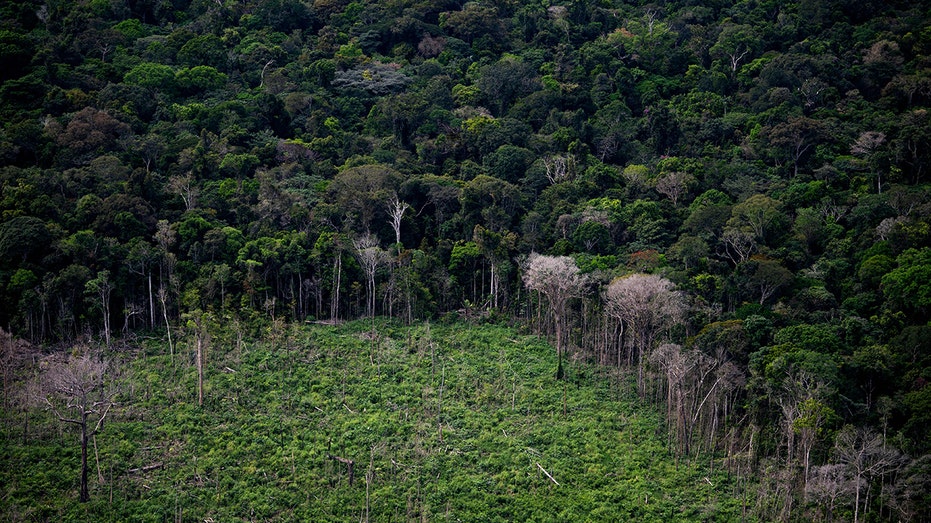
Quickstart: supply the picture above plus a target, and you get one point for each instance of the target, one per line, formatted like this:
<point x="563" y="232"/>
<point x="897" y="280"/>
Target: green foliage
<point x="151" y="75"/>
<point x="437" y="420"/>
<point x="220" y="156"/>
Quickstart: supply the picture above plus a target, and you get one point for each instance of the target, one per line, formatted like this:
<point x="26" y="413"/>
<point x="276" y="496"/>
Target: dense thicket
<point x="329" y="159"/>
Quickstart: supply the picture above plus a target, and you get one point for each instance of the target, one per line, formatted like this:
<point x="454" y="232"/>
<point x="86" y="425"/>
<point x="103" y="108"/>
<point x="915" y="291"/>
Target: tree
<point x="865" y="454"/>
<point x="559" y="279"/>
<point x="505" y="81"/>
<point x="396" y="210"/>
<point x="906" y="285"/>
<point x="495" y="247"/>
<point x="100" y="288"/>
<point x="370" y="257"/>
<point x="646" y="305"/>
<point x="151" y="75"/>
<point x="360" y="192"/>
<point x="910" y="496"/>
<point x="795" y="138"/>
<point x="826" y="485"/>
<point x="867" y="146"/>
<point x="739" y="244"/>
<point x="735" y="43"/>
<point x="764" y="276"/>
<point x="559" y="167"/>
<point x="199" y="323"/>
<point x="674" y="185"/>
<point x="758" y="213"/>
<point x="78" y="392"/>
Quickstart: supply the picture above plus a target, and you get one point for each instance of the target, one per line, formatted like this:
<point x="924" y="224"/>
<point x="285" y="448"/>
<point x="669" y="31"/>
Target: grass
<point x="442" y="423"/>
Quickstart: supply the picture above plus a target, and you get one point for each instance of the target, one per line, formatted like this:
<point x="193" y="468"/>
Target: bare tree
<point x="370" y="257"/>
<point x="199" y="323"/>
<point x="673" y="185"/>
<point x="78" y="392"/>
<point x="826" y="486"/>
<point x="866" y="147"/>
<point x="697" y="388"/>
<point x="865" y="454"/>
<point x="647" y="305"/>
<point x="165" y="236"/>
<point x="739" y="244"/>
<point x="908" y="497"/>
<point x="396" y="209"/>
<point x="559" y="168"/>
<point x="559" y="279"/>
<point x="186" y="187"/>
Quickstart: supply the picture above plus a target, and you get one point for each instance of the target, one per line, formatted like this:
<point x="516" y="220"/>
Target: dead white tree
<point x="186" y="187"/>
<point x="396" y="209"/>
<point x="559" y="168"/>
<point x="647" y="305"/>
<point x="77" y="391"/>
<point x="370" y="257"/>
<point x="739" y="244"/>
<point x="826" y="486"/>
<point x="560" y="280"/>
<point x="673" y="185"/>
<point x="866" y="456"/>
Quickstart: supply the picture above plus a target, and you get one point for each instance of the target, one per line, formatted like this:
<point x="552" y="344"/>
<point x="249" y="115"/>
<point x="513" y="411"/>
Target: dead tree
<point x="559" y="279"/>
<point x="647" y="305"/>
<point x="77" y="391"/>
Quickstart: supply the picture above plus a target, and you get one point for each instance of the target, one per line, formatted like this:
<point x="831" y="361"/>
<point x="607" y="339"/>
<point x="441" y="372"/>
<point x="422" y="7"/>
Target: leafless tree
<point x="908" y="496"/>
<point x="865" y="454"/>
<point x="697" y="388"/>
<point x="370" y="257"/>
<point x="673" y="185"/>
<point x="101" y="288"/>
<point x="647" y="305"/>
<point x="559" y="168"/>
<point x="77" y="390"/>
<point x="739" y="244"/>
<point x="199" y="323"/>
<point x="396" y="209"/>
<point x="866" y="146"/>
<point x="559" y="279"/>
<point x="186" y="187"/>
<point x="165" y="236"/>
<point x="827" y="485"/>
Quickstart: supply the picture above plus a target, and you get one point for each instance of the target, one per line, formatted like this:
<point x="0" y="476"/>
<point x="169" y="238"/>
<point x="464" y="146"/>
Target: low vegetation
<point x="335" y="423"/>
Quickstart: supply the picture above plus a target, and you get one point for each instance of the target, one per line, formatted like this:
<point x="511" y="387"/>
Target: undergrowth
<point x="440" y="422"/>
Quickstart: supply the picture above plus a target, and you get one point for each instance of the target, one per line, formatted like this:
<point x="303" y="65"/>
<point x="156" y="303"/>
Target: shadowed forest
<point x="296" y="260"/>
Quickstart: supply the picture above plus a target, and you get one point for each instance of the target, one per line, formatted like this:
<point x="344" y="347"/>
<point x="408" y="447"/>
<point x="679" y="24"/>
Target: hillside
<point x="727" y="201"/>
<point x="441" y="422"/>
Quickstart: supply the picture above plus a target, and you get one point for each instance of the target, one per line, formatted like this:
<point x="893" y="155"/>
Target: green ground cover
<point x="441" y="422"/>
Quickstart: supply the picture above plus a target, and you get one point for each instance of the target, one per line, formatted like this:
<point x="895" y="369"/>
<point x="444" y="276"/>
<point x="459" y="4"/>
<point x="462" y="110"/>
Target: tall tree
<point x="559" y="279"/>
<point x="100" y="288"/>
<point x="865" y="454"/>
<point x="78" y="392"/>
<point x="647" y="305"/>
<point x="370" y="257"/>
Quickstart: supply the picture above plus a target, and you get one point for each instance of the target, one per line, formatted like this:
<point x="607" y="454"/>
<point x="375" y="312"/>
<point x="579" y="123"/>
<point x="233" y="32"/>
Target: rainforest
<point x="413" y="260"/>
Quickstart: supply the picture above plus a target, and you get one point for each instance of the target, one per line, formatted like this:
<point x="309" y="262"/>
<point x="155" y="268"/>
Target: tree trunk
<point x="337" y="274"/>
<point x="85" y="493"/>
<point x="200" y="370"/>
<point x="151" y="304"/>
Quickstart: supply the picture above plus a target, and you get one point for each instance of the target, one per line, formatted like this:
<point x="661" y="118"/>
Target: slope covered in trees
<point x="765" y="163"/>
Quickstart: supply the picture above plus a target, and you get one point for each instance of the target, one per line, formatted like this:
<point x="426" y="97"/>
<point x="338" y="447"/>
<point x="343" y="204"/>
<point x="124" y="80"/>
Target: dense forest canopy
<point x="762" y="165"/>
